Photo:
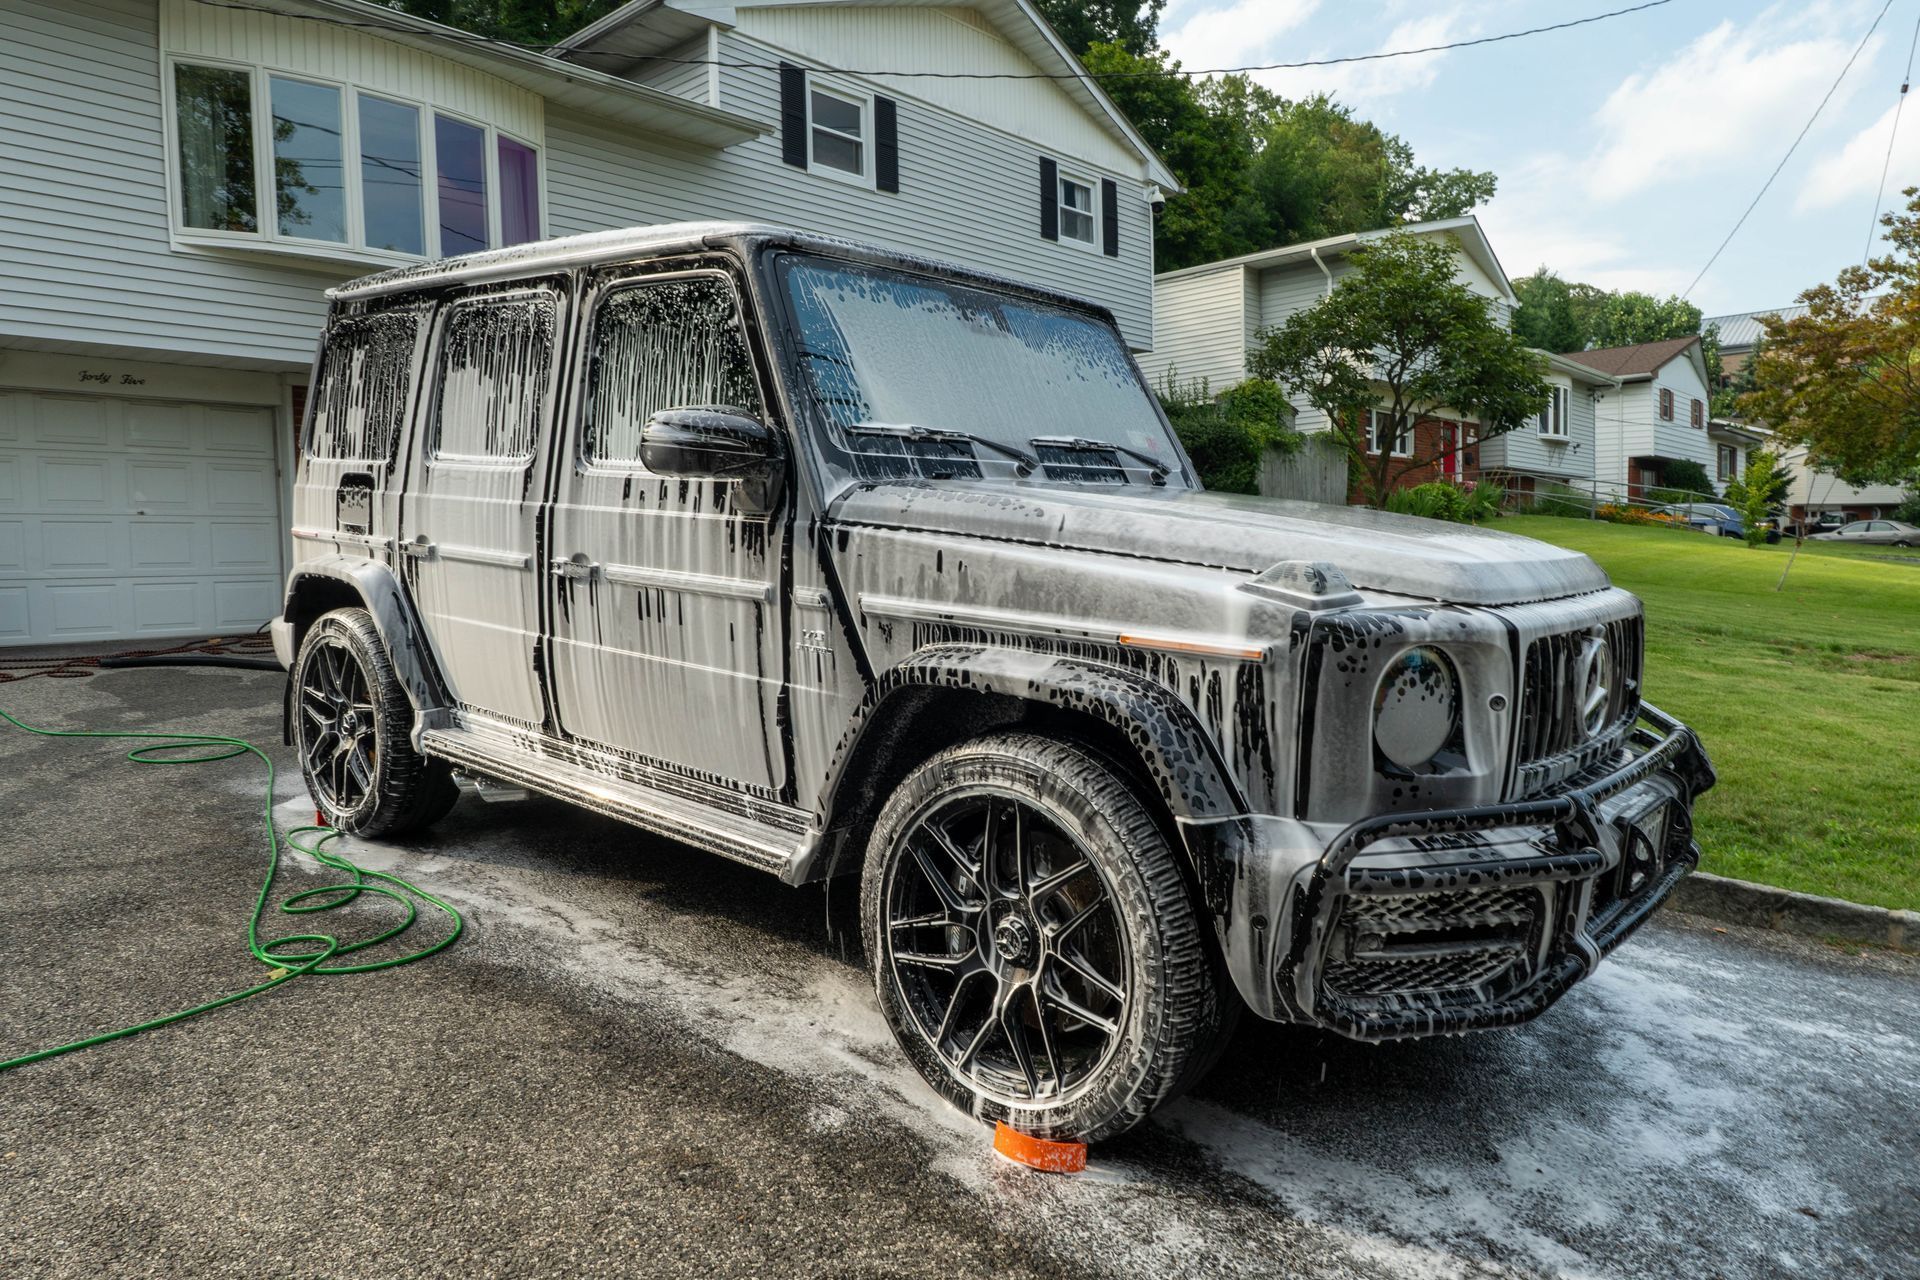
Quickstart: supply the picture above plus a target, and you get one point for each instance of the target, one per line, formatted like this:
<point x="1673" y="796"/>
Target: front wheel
<point x="1034" y="943"/>
<point x="351" y="723"/>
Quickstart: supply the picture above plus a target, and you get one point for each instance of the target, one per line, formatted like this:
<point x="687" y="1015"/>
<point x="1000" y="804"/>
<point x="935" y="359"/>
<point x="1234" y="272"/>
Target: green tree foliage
<point x="1844" y="379"/>
<point x="1564" y="315"/>
<point x="1401" y="330"/>
<point x="1228" y="435"/>
<point x="1132" y="25"/>
<point x="528" y="22"/>
<point x="1758" y="491"/>
<point x="1682" y="480"/>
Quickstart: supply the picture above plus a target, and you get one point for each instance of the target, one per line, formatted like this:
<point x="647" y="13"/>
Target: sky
<point x="1625" y="149"/>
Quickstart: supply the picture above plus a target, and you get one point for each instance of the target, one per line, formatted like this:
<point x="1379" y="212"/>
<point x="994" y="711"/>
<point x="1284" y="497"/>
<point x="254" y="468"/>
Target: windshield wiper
<point x="1025" y="462"/>
<point x="1086" y="444"/>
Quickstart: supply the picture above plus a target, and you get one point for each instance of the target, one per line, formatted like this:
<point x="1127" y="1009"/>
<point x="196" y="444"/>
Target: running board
<point x="736" y="836"/>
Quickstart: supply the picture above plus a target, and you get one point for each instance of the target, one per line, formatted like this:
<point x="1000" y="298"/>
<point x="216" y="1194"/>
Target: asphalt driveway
<point x="646" y="1061"/>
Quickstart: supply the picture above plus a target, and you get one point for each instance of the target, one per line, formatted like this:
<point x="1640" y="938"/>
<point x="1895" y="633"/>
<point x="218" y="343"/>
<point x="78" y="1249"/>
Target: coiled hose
<point x="294" y="955"/>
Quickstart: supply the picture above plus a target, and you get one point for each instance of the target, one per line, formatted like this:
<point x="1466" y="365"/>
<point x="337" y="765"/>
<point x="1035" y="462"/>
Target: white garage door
<point x="134" y="519"/>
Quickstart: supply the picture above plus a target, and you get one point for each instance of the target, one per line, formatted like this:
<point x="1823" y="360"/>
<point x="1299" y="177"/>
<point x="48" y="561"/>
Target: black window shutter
<point x="1049" y="199"/>
<point x="886" y="144"/>
<point x="1110" y="217"/>
<point x="793" y="114"/>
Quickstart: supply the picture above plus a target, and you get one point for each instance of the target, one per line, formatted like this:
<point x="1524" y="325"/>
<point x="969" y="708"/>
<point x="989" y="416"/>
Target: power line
<point x="1804" y="130"/>
<point x="1880" y="192"/>
<point x="467" y="37"/>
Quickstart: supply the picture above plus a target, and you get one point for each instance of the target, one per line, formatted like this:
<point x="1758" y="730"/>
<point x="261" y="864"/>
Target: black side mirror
<point x="716" y="442"/>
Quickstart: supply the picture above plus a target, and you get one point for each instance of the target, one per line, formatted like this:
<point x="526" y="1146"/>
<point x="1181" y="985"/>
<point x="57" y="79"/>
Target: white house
<point x="182" y="180"/>
<point x="1656" y="415"/>
<point x="1207" y="317"/>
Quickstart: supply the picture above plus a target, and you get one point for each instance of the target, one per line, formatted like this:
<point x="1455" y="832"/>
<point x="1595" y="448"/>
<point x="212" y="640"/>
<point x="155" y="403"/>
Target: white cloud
<point x="1851" y="173"/>
<point x="1735" y="93"/>
<point x="1362" y="83"/>
<point x="1233" y="35"/>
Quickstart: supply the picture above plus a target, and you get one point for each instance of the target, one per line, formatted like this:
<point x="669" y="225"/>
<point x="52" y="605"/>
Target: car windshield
<point x="904" y="368"/>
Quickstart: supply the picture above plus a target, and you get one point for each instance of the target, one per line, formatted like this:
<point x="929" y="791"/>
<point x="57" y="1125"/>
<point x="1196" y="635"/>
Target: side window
<point x="668" y="344"/>
<point x="496" y="364"/>
<point x="360" y="399"/>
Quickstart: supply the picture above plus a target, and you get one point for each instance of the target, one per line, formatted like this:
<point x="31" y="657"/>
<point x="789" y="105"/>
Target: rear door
<point x="471" y="503"/>
<point x="668" y="638"/>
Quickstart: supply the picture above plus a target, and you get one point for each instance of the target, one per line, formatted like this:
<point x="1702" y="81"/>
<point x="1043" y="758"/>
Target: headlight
<point x="1415" y="708"/>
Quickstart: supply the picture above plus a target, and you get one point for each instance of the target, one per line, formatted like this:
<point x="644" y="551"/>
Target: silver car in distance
<point x="839" y="562"/>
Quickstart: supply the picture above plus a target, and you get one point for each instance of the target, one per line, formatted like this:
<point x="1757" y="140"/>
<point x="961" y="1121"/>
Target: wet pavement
<point x="646" y="1061"/>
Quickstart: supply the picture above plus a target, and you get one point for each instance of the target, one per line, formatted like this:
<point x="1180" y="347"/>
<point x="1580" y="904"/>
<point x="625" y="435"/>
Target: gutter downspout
<point x="1315" y="255"/>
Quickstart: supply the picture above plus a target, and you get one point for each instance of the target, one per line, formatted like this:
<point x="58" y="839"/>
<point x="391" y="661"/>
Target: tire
<point x="1057" y="978"/>
<point x="352" y="729"/>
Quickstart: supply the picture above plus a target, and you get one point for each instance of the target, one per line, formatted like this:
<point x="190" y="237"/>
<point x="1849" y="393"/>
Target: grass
<point x="1806" y="698"/>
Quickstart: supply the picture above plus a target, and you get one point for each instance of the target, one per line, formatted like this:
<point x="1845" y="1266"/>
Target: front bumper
<point x="1417" y="924"/>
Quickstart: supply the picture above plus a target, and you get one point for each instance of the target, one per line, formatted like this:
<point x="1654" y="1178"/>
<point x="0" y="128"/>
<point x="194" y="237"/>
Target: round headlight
<point x="1415" y="707"/>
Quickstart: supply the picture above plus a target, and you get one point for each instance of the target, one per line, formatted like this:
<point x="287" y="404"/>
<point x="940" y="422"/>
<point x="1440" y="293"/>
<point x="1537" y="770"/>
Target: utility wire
<point x="467" y="37"/>
<point x="1804" y="130"/>
<point x="1880" y="192"/>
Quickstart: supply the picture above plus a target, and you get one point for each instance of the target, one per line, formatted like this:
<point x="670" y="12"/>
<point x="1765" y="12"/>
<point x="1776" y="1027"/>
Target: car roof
<point x="597" y="248"/>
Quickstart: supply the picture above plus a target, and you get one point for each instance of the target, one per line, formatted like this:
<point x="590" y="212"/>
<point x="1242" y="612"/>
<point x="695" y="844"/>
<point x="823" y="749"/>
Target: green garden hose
<point x="297" y="954"/>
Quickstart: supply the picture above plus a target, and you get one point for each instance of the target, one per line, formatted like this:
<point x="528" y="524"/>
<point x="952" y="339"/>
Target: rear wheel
<point x="351" y="727"/>
<point x="1034" y="944"/>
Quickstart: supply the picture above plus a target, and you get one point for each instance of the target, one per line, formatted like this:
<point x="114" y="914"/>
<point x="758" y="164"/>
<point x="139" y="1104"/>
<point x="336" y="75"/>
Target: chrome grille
<point x="1551" y="726"/>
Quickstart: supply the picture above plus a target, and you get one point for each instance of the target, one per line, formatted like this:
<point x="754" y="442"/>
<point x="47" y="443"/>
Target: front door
<point x="668" y="636"/>
<point x="1450" y="451"/>
<point x="470" y="504"/>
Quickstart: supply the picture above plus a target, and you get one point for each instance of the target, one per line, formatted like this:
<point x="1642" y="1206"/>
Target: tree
<point x="1545" y="317"/>
<point x="1844" y="379"/>
<point x="1563" y="315"/>
<point x="528" y="22"/>
<point x="1758" y="490"/>
<point x="1400" y="331"/>
<point x="1133" y="25"/>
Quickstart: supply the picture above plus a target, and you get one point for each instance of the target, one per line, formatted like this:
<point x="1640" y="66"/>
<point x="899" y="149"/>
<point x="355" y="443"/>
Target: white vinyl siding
<point x="1628" y="425"/>
<point x="1527" y="451"/>
<point x="967" y="194"/>
<point x="1200" y="326"/>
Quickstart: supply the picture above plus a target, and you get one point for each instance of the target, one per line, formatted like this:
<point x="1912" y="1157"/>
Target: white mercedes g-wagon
<point x="840" y="562"/>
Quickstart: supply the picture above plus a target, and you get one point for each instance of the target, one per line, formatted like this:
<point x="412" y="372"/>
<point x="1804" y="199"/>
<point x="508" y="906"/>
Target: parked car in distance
<point x="1825" y="522"/>
<point x="1874" y="533"/>
<point x="844" y="563"/>
<point x="1711" y="517"/>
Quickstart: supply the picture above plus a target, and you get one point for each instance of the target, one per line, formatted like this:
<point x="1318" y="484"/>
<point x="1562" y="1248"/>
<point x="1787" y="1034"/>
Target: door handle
<point x="575" y="566"/>
<point x="418" y="546"/>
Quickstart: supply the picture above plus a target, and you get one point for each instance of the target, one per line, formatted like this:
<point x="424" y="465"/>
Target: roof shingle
<point x="1636" y="361"/>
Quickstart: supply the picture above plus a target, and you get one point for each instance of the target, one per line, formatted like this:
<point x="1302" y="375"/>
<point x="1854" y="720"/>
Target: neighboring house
<point x="1656" y="415"/>
<point x="184" y="179"/>
<point x="1559" y="444"/>
<point x="1739" y="334"/>
<point x="1206" y="318"/>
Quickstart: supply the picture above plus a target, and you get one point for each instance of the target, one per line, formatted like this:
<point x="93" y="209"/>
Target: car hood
<point x="1399" y="555"/>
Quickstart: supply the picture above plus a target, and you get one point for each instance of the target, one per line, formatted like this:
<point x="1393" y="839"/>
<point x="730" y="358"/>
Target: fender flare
<point x="393" y="617"/>
<point x="1184" y="764"/>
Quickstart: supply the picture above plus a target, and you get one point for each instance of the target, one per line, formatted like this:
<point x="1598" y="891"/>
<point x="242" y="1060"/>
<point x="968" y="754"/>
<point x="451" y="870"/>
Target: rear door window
<point x="495" y="376"/>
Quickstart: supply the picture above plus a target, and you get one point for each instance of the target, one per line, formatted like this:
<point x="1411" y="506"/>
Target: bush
<point x="1227" y="435"/>
<point x="1439" y="500"/>
<point x="1686" y="480"/>
<point x="1559" y="500"/>
<point x="1908" y="512"/>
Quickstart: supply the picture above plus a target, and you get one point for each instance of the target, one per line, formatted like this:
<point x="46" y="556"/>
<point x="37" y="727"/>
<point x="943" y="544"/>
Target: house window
<point x="1727" y="462"/>
<point x="1666" y="404"/>
<point x="837" y="131"/>
<point x="460" y="161"/>
<point x="496" y="359"/>
<point x="1076" y="210"/>
<point x="280" y="161"/>
<point x="308" y="162"/>
<point x="1379" y="425"/>
<point x="1698" y="414"/>
<point x="1553" y="418"/>
<point x="390" y="176"/>
<point x="214" y="107"/>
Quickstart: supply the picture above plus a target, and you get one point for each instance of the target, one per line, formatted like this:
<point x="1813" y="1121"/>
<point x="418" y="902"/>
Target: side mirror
<point x="716" y="442"/>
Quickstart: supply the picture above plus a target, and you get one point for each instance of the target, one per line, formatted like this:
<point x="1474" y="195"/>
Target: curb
<point x="1760" y="906"/>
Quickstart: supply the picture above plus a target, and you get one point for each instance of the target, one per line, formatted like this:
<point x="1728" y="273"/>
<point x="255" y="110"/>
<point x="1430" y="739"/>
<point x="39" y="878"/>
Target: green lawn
<point x="1808" y="699"/>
